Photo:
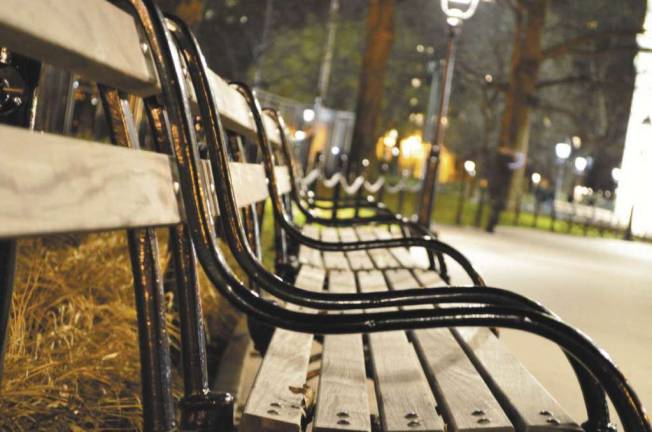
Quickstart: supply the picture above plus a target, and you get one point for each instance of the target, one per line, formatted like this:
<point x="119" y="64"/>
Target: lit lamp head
<point x="457" y="11"/>
<point x="469" y="167"/>
<point x="563" y="151"/>
<point x="308" y="115"/>
<point x="616" y="174"/>
<point x="580" y="164"/>
<point x="536" y="178"/>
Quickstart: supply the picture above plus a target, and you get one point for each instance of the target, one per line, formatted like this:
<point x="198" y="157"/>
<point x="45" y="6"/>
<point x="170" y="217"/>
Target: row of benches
<point x="381" y="313"/>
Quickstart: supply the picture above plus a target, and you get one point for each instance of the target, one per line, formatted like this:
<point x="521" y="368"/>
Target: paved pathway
<point x="603" y="287"/>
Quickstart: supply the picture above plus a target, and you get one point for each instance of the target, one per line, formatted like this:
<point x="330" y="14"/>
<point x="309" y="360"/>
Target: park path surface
<point x="601" y="286"/>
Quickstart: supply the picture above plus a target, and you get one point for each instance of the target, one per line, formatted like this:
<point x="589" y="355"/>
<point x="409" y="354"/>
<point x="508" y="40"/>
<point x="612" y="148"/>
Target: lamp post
<point x="469" y="172"/>
<point x="563" y="152"/>
<point x="456" y="11"/>
<point x="536" y="181"/>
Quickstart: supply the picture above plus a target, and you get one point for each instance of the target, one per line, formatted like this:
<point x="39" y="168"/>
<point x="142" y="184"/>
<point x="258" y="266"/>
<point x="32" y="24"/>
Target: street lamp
<point x="580" y="164"/>
<point x="469" y="169"/>
<point x="308" y="115"/>
<point x="456" y="11"/>
<point x="562" y="151"/>
<point x="536" y="179"/>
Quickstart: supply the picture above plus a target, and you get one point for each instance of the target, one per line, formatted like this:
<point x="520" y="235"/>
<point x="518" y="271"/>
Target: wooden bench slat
<point x="235" y="112"/>
<point x="463" y="396"/>
<point x="342" y="399"/>
<point x="53" y="184"/>
<point x="519" y="392"/>
<point x="405" y="400"/>
<point x="382" y="258"/>
<point x="274" y="403"/>
<point x="358" y="260"/>
<point x="333" y="260"/>
<point x="308" y="255"/>
<point x="406" y="257"/>
<point x="90" y="37"/>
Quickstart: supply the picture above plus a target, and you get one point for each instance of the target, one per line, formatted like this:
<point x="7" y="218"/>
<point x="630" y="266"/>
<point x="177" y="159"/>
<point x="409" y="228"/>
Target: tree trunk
<point x="380" y="36"/>
<point x="191" y="11"/>
<point x="520" y="96"/>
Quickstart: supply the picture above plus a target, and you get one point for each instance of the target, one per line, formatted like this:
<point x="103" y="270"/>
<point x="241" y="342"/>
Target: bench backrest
<point x="53" y="184"/>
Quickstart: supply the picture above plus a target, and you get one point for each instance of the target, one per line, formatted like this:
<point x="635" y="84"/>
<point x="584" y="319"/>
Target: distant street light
<point x="536" y="178"/>
<point x="616" y="174"/>
<point x="580" y="164"/>
<point x="456" y="11"/>
<point x="469" y="167"/>
<point x="308" y="115"/>
<point x="300" y="135"/>
<point x="563" y="151"/>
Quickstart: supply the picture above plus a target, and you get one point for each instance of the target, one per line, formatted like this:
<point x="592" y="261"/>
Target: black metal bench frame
<point x="173" y="124"/>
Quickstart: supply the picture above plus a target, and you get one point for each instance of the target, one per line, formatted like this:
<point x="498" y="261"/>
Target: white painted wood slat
<point x="52" y="184"/>
<point x="90" y="37"/>
<point x="275" y="402"/>
<point x="342" y="400"/>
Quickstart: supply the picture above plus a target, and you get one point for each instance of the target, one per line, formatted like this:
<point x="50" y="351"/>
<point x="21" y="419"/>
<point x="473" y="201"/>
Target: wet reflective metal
<point x="16" y="109"/>
<point x="503" y="315"/>
<point x="155" y="366"/>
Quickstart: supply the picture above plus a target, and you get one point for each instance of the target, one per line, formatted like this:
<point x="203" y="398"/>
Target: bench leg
<point x="156" y="370"/>
<point x="201" y="409"/>
<point x="7" y="270"/>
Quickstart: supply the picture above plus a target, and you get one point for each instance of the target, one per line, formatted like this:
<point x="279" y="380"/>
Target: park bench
<point x="434" y="362"/>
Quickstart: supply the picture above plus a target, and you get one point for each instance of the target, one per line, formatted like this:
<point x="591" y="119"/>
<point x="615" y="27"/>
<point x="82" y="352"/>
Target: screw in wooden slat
<point x="272" y="412"/>
<point x="477" y="413"/>
<point x="343" y="414"/>
<point x="553" y="420"/>
<point x="483" y="420"/>
<point x="411" y="415"/>
<point x="414" y="423"/>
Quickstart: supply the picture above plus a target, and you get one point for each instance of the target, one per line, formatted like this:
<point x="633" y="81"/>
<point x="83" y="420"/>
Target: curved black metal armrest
<point x="587" y="358"/>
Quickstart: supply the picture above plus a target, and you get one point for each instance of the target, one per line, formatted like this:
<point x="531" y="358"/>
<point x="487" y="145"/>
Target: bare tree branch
<point x="567" y="46"/>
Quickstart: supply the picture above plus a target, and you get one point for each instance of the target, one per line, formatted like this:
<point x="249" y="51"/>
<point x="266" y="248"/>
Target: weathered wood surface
<point x="464" y="399"/>
<point x="235" y="112"/>
<point x="405" y="400"/>
<point x="407" y="257"/>
<point x="308" y="255"/>
<point x="382" y="258"/>
<point x="333" y="260"/>
<point x="358" y="260"/>
<point x="93" y="38"/>
<point x="342" y="399"/>
<point x="52" y="184"/>
<point x="532" y="406"/>
<point x="276" y="401"/>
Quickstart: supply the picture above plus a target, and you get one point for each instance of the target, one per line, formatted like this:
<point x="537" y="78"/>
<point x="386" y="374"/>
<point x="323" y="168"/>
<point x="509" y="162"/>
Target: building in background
<point x="634" y="192"/>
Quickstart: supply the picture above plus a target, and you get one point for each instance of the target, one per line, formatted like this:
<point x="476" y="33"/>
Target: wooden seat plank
<point x="529" y="404"/>
<point x="333" y="260"/>
<point x="308" y="255"/>
<point x="275" y="401"/>
<point x="520" y="394"/>
<point x="342" y="399"/>
<point x="382" y="258"/>
<point x="405" y="400"/>
<point x="358" y="260"/>
<point x="406" y="257"/>
<point x="464" y="399"/>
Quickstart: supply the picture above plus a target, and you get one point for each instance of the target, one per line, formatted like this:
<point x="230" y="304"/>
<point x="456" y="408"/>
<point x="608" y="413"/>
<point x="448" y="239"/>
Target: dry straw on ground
<point x="72" y="360"/>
